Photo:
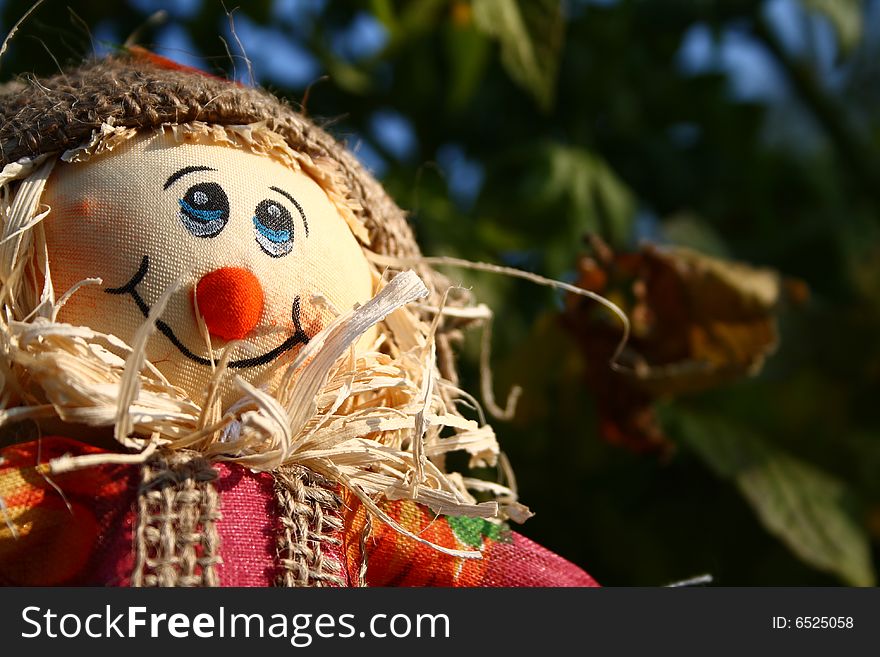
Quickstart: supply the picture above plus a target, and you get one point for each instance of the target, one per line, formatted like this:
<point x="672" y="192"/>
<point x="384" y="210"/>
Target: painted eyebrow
<point x="296" y="204"/>
<point x="182" y="172"/>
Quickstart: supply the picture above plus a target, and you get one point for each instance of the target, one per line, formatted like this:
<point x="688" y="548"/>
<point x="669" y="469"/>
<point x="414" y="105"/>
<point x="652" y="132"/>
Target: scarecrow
<point x="224" y="361"/>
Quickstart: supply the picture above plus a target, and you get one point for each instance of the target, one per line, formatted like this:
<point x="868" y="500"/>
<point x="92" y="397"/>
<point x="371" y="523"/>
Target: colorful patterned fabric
<point x="509" y="559"/>
<point x="70" y="529"/>
<point x="77" y="529"/>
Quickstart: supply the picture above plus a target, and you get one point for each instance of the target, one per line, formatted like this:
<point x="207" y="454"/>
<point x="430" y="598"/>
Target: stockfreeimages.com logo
<point x="299" y="629"/>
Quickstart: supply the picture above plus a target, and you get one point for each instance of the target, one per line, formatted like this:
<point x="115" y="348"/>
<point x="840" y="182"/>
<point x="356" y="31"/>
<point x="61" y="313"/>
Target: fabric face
<point x="249" y="239"/>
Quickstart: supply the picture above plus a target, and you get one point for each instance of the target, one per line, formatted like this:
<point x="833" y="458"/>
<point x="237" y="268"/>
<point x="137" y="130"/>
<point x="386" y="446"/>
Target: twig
<point x="17" y="25"/>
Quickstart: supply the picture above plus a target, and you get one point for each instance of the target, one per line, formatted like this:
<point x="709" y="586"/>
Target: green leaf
<point x="591" y="193"/>
<point x="468" y="52"/>
<point x="420" y="16"/>
<point x="846" y="18"/>
<point x="531" y="34"/>
<point x="383" y="10"/>
<point x="348" y="77"/>
<point x="810" y="511"/>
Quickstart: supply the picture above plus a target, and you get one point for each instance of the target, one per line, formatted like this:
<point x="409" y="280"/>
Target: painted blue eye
<point x="273" y="228"/>
<point x="204" y="209"/>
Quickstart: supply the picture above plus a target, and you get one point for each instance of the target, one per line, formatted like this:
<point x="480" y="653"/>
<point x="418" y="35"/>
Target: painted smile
<point x="299" y="336"/>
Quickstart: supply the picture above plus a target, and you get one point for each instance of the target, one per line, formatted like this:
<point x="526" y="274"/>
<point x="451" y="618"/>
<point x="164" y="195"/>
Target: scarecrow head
<point x="193" y="264"/>
<point x="163" y="180"/>
<point x="245" y="220"/>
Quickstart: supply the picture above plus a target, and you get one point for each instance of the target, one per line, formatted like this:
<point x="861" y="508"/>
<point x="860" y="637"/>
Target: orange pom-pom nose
<point x="231" y="301"/>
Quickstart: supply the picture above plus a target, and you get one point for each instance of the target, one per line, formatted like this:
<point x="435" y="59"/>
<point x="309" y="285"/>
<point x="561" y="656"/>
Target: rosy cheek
<point x="314" y="318"/>
<point x="72" y="255"/>
<point x="70" y="209"/>
<point x="83" y="207"/>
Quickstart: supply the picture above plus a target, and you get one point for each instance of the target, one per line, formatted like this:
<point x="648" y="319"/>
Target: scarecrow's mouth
<point x="299" y="336"/>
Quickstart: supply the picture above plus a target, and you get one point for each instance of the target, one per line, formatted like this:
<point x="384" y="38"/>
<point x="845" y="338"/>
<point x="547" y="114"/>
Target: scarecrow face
<point x="249" y="239"/>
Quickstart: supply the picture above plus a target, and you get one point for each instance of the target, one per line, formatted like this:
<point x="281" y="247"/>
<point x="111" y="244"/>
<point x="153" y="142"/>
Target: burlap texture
<point x="176" y="541"/>
<point x="310" y="530"/>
